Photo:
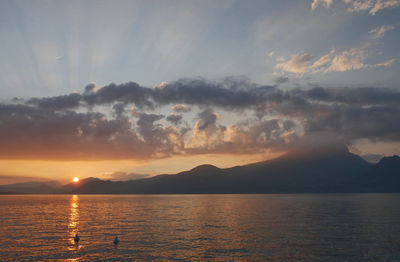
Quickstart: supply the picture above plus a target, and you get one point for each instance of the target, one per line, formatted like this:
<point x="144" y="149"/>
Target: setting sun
<point x="76" y="179"/>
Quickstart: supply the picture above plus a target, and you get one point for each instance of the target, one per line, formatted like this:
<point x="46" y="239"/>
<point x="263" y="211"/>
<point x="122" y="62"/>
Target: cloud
<point x="125" y="93"/>
<point x="370" y="6"/>
<point x="34" y="133"/>
<point x="334" y="61"/>
<point x="281" y="80"/>
<point x="297" y="64"/>
<point x="206" y="135"/>
<point x="359" y="5"/>
<point x="324" y="60"/>
<point x="347" y="60"/>
<point x="386" y="63"/>
<point x="316" y="3"/>
<point x="372" y="158"/>
<point x="207" y="118"/>
<point x="234" y="93"/>
<point x="383" y="4"/>
<point x="175" y="118"/>
<point x="379" y="31"/>
<point x="111" y="122"/>
<point x="58" y="102"/>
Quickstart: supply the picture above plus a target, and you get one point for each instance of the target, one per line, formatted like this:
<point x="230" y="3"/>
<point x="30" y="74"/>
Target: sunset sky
<point x="125" y="89"/>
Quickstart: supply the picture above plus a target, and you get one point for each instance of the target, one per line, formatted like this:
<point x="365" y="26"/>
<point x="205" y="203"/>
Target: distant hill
<point x="382" y="177"/>
<point x="305" y="171"/>
<point x="34" y="187"/>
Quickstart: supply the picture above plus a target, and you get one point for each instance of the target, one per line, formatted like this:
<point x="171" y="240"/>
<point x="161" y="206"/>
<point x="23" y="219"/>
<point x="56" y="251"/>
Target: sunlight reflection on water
<point x="73" y="224"/>
<point x="201" y="227"/>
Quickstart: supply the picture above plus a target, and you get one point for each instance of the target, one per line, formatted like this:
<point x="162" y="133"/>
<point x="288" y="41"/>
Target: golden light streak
<point x="73" y="223"/>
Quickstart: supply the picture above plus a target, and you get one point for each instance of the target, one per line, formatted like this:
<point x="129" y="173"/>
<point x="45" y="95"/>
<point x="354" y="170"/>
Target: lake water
<point x="317" y="227"/>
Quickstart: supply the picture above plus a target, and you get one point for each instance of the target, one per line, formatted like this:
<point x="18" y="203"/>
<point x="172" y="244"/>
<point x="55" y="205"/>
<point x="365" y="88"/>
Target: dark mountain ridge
<point x="34" y="187"/>
<point x="306" y="171"/>
<point x="303" y="171"/>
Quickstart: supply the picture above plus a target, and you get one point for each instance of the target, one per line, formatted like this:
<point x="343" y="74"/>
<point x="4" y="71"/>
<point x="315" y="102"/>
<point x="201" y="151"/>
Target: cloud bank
<point x="188" y="116"/>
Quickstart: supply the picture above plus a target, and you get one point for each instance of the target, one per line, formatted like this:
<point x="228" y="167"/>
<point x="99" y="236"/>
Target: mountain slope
<point x="307" y="171"/>
<point x="311" y="171"/>
<point x="30" y="188"/>
<point x="383" y="177"/>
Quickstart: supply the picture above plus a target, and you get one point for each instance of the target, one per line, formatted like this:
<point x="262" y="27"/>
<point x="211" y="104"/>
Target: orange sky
<point x="64" y="171"/>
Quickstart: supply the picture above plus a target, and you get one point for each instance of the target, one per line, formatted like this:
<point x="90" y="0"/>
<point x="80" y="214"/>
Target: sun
<point x="76" y="179"/>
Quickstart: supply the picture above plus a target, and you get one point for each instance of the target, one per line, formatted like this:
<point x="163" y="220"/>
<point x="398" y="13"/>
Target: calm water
<point x="348" y="227"/>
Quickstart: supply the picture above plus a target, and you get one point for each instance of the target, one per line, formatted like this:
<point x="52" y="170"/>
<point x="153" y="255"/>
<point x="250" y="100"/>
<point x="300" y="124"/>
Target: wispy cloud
<point x="383" y="4"/>
<point x="370" y="6"/>
<point x="334" y="61"/>
<point x="298" y="63"/>
<point x="379" y="31"/>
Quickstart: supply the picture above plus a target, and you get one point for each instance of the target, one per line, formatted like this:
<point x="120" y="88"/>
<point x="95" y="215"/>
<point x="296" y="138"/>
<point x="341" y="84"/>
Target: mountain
<point x="305" y="171"/>
<point x="323" y="170"/>
<point x="383" y="177"/>
<point x="34" y="187"/>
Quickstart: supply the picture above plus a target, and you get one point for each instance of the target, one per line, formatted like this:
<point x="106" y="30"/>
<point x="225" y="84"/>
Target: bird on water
<point x="76" y="238"/>
<point x="116" y="241"/>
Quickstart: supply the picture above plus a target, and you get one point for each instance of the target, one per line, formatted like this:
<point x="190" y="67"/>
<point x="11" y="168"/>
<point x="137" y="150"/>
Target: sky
<point x="128" y="89"/>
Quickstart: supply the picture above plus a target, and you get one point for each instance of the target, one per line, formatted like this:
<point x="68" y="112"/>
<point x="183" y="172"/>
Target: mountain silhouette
<point x="383" y="177"/>
<point x="34" y="187"/>
<point x="322" y="170"/>
<point x="317" y="170"/>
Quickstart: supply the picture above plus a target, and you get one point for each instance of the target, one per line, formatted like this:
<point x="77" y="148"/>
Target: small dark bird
<point x="116" y="241"/>
<point x="76" y="238"/>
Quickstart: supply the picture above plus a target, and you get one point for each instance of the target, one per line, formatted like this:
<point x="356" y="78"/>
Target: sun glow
<point x="76" y="179"/>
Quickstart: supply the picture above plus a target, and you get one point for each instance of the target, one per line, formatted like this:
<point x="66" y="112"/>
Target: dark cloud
<point x="58" y="102"/>
<point x="119" y="121"/>
<point x="175" y="118"/>
<point x="207" y="118"/>
<point x="34" y="133"/>
<point x="225" y="94"/>
<point x="202" y="92"/>
<point x="124" y="93"/>
<point x="365" y="95"/>
<point x="164" y="140"/>
<point x="119" y="109"/>
<point x="281" y="80"/>
<point x="146" y="127"/>
<point x="89" y="88"/>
